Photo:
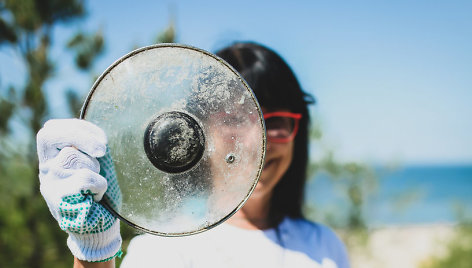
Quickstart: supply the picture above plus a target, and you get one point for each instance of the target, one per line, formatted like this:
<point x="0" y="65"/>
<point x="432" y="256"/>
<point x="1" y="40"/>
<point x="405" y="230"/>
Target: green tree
<point x="29" y="236"/>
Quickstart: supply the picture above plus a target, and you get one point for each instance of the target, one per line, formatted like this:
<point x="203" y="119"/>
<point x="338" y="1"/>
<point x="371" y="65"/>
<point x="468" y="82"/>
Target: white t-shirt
<point x="294" y="243"/>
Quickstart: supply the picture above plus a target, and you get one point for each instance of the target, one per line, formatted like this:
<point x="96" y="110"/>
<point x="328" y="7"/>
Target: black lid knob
<point x="174" y="142"/>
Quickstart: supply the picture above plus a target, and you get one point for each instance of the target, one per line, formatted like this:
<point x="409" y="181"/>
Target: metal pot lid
<point x="186" y="136"/>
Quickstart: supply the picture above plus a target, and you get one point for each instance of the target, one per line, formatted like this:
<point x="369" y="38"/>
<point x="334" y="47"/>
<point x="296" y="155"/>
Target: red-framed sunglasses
<point x="281" y="127"/>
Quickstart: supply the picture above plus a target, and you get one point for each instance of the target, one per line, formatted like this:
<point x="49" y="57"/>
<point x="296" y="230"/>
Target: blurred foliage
<point x="459" y="249"/>
<point x="6" y="111"/>
<point x="356" y="182"/>
<point x="168" y="35"/>
<point x="86" y="47"/>
<point x="29" y="236"/>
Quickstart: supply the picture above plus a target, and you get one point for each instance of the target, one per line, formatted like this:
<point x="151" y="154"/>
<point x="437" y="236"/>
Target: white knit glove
<point x="75" y="172"/>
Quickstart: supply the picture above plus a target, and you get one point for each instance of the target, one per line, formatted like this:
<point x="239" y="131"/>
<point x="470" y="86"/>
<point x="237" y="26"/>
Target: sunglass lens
<point x="279" y="127"/>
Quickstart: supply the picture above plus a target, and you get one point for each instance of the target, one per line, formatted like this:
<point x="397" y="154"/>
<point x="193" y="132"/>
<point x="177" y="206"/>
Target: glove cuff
<point x="98" y="246"/>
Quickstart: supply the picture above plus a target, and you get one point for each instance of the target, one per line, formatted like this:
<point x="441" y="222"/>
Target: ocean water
<point x="406" y="195"/>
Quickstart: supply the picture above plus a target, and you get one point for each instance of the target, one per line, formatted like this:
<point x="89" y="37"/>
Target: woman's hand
<point x="75" y="173"/>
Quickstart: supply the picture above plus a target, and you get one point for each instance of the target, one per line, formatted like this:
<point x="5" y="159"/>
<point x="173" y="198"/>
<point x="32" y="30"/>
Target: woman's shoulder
<point x="315" y="239"/>
<point x="306" y="227"/>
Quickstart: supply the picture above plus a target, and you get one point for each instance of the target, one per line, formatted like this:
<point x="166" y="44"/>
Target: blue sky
<point x="393" y="79"/>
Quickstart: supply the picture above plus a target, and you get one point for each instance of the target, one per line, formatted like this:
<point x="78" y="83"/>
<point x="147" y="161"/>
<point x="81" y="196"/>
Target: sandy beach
<point x="402" y="246"/>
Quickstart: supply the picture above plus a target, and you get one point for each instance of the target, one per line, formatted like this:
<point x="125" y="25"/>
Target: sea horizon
<point x="403" y="195"/>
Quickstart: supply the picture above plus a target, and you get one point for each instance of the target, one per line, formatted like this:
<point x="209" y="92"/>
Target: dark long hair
<point x="276" y="87"/>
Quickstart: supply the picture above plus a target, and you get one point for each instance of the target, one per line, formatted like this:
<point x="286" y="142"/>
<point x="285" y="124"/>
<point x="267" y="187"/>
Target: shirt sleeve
<point x="335" y="248"/>
<point x="319" y="242"/>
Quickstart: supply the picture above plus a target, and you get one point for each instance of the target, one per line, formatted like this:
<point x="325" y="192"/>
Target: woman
<point x="269" y="230"/>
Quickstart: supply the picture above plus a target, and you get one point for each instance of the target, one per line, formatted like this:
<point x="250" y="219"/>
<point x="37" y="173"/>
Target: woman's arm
<point x="85" y="264"/>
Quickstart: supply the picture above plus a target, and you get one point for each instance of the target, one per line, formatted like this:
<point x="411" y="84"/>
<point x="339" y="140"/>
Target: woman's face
<point x="277" y="161"/>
